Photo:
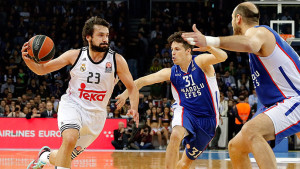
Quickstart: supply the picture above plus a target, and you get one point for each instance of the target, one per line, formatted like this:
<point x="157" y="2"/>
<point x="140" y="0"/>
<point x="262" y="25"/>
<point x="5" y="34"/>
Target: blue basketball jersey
<point x="276" y="76"/>
<point x="194" y="91"/>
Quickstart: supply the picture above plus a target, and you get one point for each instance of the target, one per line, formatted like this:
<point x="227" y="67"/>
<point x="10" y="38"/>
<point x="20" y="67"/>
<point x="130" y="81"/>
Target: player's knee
<point x="249" y="133"/>
<point x="175" y="138"/>
<point x="70" y="139"/>
<point x="232" y="145"/>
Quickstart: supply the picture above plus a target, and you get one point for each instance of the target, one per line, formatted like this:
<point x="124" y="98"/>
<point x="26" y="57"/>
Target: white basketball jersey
<point x="92" y="83"/>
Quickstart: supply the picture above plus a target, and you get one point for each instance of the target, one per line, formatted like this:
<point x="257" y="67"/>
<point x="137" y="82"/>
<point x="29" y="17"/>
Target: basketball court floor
<point x="16" y="159"/>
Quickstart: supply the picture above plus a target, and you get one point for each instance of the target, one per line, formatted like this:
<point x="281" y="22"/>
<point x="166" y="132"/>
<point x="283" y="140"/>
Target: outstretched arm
<point x="67" y="58"/>
<point x="160" y="76"/>
<point x="251" y="42"/>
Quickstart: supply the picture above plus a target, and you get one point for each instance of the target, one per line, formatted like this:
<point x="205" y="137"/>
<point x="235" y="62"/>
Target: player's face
<point x="179" y="53"/>
<point x="236" y="29"/>
<point x="99" y="40"/>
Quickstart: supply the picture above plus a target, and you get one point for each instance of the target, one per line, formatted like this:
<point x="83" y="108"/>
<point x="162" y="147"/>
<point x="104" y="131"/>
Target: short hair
<point x="242" y="98"/>
<point x="88" y="28"/>
<point x="176" y="37"/>
<point x="246" y="12"/>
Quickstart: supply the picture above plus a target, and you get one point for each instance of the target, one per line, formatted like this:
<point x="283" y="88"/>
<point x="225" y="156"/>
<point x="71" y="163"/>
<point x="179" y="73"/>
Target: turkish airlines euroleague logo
<point x="91" y="95"/>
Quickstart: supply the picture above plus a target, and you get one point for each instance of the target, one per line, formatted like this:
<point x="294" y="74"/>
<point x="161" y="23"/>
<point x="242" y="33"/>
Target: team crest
<point x="108" y="67"/>
<point x="82" y="68"/>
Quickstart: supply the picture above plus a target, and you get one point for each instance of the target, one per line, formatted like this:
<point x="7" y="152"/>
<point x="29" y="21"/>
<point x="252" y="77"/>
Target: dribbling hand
<point x="195" y="38"/>
<point x="135" y="116"/>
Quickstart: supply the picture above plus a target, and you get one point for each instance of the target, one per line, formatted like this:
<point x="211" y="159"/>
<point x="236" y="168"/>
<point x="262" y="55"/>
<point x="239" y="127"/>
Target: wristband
<point x="212" y="41"/>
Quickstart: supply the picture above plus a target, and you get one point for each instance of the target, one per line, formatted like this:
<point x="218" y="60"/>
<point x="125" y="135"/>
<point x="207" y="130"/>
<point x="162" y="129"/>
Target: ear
<point x="88" y="38"/>
<point x="238" y="19"/>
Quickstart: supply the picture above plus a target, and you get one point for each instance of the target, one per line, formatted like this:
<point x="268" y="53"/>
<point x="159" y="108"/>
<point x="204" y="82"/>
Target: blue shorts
<point x="201" y="131"/>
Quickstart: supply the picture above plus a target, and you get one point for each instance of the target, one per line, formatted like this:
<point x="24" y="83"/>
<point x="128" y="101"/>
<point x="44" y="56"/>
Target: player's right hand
<point x="195" y="38"/>
<point x="24" y="51"/>
<point x="121" y="100"/>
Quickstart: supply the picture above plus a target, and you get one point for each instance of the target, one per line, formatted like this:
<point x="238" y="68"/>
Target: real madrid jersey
<point x="194" y="91"/>
<point x="276" y="76"/>
<point x="92" y="83"/>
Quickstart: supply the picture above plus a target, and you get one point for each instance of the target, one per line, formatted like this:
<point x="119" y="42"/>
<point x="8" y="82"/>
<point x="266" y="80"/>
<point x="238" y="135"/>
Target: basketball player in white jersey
<point x="82" y="110"/>
<point x="196" y="94"/>
<point x="275" y="69"/>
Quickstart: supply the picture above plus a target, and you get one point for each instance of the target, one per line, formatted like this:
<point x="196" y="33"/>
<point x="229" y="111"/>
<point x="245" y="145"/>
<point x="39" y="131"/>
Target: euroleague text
<point x="29" y="133"/>
<point x="91" y="95"/>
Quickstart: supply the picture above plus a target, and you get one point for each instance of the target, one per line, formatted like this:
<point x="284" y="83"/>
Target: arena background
<point x="139" y="29"/>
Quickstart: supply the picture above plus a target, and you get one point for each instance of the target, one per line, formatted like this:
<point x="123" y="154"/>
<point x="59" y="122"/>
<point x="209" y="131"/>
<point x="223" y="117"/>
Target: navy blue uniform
<point x="196" y="106"/>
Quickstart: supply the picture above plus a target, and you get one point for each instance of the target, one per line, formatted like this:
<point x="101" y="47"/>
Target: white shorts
<point x="286" y="117"/>
<point x="89" y="123"/>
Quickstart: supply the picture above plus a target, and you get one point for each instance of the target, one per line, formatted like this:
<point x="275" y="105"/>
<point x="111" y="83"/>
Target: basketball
<point x="41" y="49"/>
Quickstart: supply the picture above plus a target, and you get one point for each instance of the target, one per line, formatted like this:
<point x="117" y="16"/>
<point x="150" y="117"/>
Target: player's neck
<point x="185" y="64"/>
<point x="96" y="56"/>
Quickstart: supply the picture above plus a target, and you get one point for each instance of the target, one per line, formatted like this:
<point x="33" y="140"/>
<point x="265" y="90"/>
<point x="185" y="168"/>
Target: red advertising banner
<point x="21" y="133"/>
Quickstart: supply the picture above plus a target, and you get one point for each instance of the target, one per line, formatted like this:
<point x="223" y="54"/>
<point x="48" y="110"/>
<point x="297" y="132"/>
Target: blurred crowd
<point x="24" y="94"/>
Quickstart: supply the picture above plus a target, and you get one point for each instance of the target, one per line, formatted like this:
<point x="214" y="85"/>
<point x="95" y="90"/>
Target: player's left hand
<point x="195" y="38"/>
<point x="135" y="116"/>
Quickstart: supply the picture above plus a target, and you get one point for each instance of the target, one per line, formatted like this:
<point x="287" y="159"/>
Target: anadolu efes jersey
<point x="276" y="76"/>
<point x="92" y="83"/>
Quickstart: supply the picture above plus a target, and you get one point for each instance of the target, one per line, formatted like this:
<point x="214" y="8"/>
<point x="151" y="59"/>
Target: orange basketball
<point x="41" y="49"/>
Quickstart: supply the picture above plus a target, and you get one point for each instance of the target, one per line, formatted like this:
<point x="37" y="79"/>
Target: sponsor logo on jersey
<point x="108" y="67"/>
<point x="82" y="68"/>
<point x="91" y="95"/>
<point x="177" y="74"/>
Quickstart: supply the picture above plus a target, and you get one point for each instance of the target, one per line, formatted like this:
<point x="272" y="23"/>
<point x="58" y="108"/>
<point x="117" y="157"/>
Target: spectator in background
<point x="242" y="113"/>
<point x="16" y="112"/>
<point x="243" y="81"/>
<point x="49" y="112"/>
<point x="19" y="88"/>
<point x="229" y="80"/>
<point x="253" y="98"/>
<point x="142" y="140"/>
<point x="2" y="108"/>
<point x="117" y="113"/>
<point x="6" y="110"/>
<point x="8" y="85"/>
<point x="231" y="119"/>
<point x="33" y="114"/>
<point x="120" y="138"/>
<point x="110" y="113"/>
<point x="154" y="121"/>
<point x="223" y="108"/>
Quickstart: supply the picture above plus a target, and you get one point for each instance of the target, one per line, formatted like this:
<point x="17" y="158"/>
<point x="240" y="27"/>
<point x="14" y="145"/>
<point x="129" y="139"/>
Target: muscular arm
<point x="66" y="58"/>
<point x="126" y="78"/>
<point x="251" y="42"/>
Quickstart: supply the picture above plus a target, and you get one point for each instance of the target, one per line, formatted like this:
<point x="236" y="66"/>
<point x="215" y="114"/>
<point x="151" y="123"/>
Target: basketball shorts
<point x="88" y="123"/>
<point x="285" y="116"/>
<point x="200" y="130"/>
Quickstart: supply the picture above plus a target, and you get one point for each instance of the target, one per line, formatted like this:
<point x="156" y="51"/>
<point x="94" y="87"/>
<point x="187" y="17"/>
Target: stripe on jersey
<point x="297" y="66"/>
<point x="289" y="81"/>
<point x="292" y="108"/>
<point x="270" y="75"/>
<point x="212" y="99"/>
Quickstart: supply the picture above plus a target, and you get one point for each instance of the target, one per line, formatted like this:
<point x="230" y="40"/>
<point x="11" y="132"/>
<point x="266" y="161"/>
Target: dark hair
<point x="88" y="28"/>
<point x="176" y="37"/>
<point x="244" y="11"/>
<point x="242" y="98"/>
